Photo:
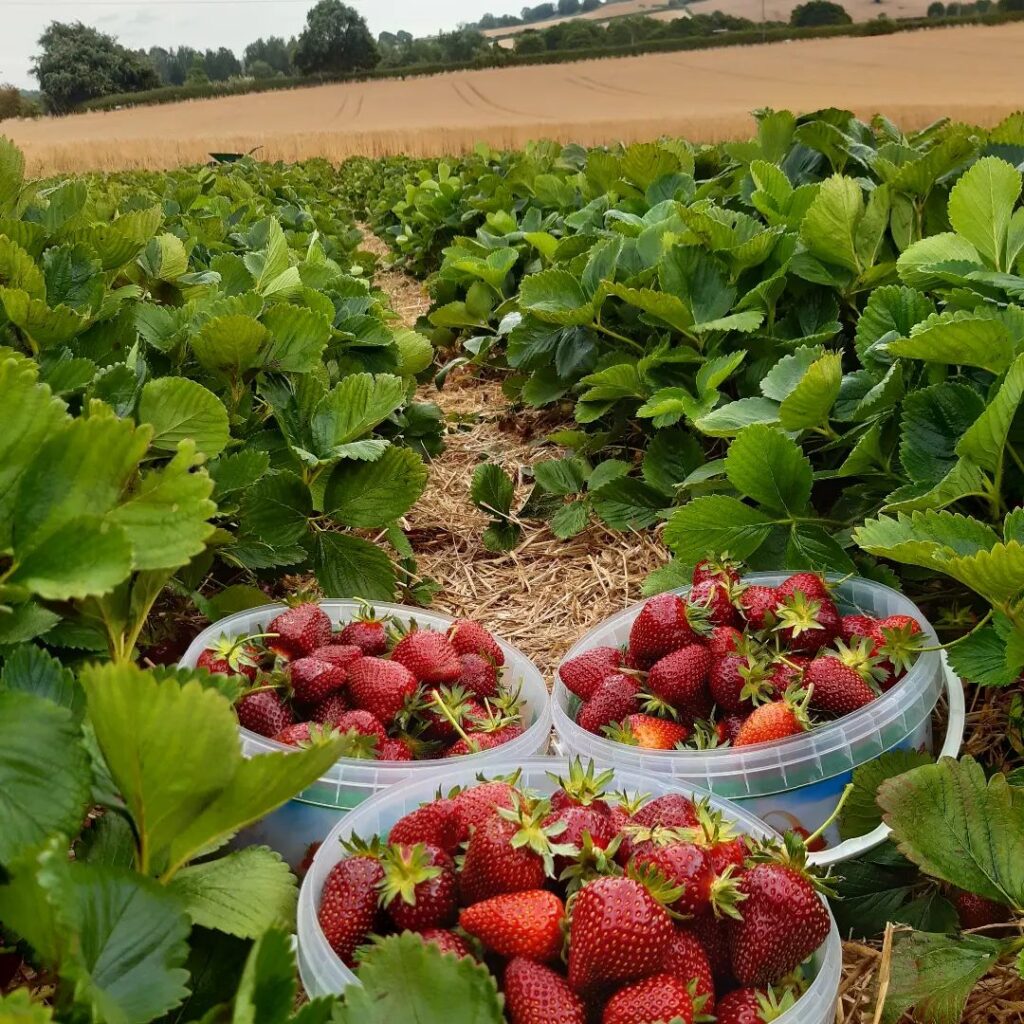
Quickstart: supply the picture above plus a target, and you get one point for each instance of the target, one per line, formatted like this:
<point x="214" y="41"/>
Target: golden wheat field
<point x="966" y="73"/>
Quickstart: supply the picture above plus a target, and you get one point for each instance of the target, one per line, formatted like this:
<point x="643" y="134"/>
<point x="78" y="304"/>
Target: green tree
<point x="335" y="40"/>
<point x="1011" y="5"/>
<point x="11" y="102"/>
<point x="197" y="72"/>
<point x="530" y="42"/>
<point x="273" y="51"/>
<point x="566" y="8"/>
<point x="936" y="10"/>
<point x="221" y="64"/>
<point x="819" y="12"/>
<point x="78" y="63"/>
<point x="260" y="70"/>
<point x="590" y="5"/>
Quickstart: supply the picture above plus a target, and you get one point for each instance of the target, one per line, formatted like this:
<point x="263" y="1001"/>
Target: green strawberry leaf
<point x="716" y="523"/>
<point x="404" y="978"/>
<point x="764" y="465"/>
<point x="353" y="567"/>
<point x="243" y="893"/>
<point x="861" y="813"/>
<point x="172" y="751"/>
<point x="44" y="771"/>
<point x="935" y="973"/>
<point x="959" y="827"/>
<point x="177" y="408"/>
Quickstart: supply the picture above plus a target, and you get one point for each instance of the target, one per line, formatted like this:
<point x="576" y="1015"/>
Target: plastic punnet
<point x="794" y="782"/>
<point x="323" y="973"/>
<point x="308" y="818"/>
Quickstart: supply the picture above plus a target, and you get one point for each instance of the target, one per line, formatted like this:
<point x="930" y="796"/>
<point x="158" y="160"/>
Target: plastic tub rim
<point x="822" y="992"/>
<point x="529" y="743"/>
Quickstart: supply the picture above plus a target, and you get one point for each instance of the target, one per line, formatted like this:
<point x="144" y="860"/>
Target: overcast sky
<point x="207" y="24"/>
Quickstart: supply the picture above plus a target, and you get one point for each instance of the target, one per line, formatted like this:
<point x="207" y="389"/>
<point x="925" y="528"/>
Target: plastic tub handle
<point x="950" y="748"/>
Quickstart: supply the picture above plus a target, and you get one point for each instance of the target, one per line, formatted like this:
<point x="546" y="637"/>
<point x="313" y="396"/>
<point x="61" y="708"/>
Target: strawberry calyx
<point x="405" y="867"/>
<point x="901" y="645"/>
<point x="631" y="802"/>
<point x="591" y="862"/>
<point x="705" y="736"/>
<point x="359" y="745"/>
<point x="652" y="704"/>
<point x="308" y="593"/>
<point x="663" y="835"/>
<point x="699" y="1002"/>
<point x="237" y="651"/>
<point x="726" y="896"/>
<point x="799" y="614"/>
<point x="861" y="658"/>
<point x="660" y="888"/>
<point x="356" y="846"/>
<point x="698" y="616"/>
<point x="584" y="785"/>
<point x="528" y="814"/>
<point x="772" y="1006"/>
<point x="756" y="676"/>
<point x="797" y="699"/>
<point x="714" y="826"/>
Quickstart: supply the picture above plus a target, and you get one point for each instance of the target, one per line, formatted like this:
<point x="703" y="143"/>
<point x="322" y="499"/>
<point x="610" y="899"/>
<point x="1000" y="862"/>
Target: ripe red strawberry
<point x="313" y="680"/>
<point x="434" y="823"/>
<point x="510" y="852"/>
<point x="728" y="728"/>
<point x="686" y="865"/>
<point x="535" y="994"/>
<point x="897" y="641"/>
<point x="774" y="721"/>
<point x="299" y="631"/>
<point x="648" y="732"/>
<point x="618" y="933"/>
<point x="527" y="924"/>
<point x="787" y="671"/>
<point x="758" y="605"/>
<point x="662" y="997"/>
<point x="447" y="941"/>
<point x="478" y="676"/>
<point x="729" y="853"/>
<point x="418" y="889"/>
<point x="341" y="655"/>
<point x="394" y="750"/>
<point x="380" y="687"/>
<point x="836" y="687"/>
<point x="329" y="711"/>
<point x="580" y="822"/>
<point x="368" y="633"/>
<point x="680" y="679"/>
<point x="264" y="713"/>
<point x="853" y="627"/>
<point x="469" y="637"/>
<point x="784" y="922"/>
<point x="472" y="807"/>
<point x="716" y="598"/>
<point x="687" y="960"/>
<point x="361" y="723"/>
<point x="723" y="640"/>
<point x="713" y="934"/>
<point x="723" y="569"/>
<point x="809" y="583"/>
<point x="752" y="1006"/>
<point x="348" y="909"/>
<point x="807" y="624"/>
<point x="976" y="911"/>
<point x="662" y="627"/>
<point x="429" y="656"/>
<point x="299" y="734"/>
<point x="478" y="741"/>
<point x="737" y="682"/>
<point x="231" y="656"/>
<point x="673" y="810"/>
<point x="612" y="701"/>
<point x="583" y="674"/>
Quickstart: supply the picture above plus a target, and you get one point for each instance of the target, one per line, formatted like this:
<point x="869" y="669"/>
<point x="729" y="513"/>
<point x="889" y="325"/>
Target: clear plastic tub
<point x="323" y="973"/>
<point x="313" y="813"/>
<point x="797" y="781"/>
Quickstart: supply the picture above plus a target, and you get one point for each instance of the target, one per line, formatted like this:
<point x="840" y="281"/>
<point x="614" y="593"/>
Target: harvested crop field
<point x="965" y="73"/>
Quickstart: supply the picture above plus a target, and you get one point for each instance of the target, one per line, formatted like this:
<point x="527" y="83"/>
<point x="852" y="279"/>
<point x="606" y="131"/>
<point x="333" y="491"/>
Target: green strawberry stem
<point x="823" y="827"/>
<point x="437" y="699"/>
<point x="960" y="639"/>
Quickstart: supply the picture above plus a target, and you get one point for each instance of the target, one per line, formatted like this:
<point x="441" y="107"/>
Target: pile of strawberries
<point x="395" y="694"/>
<point x="738" y="664"/>
<point x="587" y="907"/>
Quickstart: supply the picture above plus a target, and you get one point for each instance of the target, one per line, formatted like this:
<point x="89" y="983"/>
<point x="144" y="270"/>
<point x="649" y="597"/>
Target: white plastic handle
<point x="950" y="748"/>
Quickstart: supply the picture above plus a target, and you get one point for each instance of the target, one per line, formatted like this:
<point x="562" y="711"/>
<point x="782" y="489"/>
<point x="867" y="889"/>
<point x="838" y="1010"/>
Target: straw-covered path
<point x="546" y="593"/>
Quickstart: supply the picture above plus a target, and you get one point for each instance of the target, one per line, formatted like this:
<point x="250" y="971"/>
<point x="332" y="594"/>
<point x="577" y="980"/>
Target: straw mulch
<point x="546" y="593"/>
